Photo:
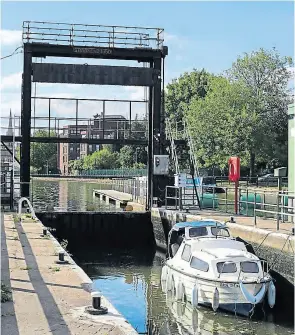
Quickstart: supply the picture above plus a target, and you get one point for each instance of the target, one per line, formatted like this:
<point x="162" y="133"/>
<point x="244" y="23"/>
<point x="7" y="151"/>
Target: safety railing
<point x="92" y="35"/>
<point x="114" y="173"/>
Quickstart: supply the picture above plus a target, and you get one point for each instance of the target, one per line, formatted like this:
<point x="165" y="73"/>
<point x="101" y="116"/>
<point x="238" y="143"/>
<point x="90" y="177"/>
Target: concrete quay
<point x="120" y="199"/>
<point x="47" y="298"/>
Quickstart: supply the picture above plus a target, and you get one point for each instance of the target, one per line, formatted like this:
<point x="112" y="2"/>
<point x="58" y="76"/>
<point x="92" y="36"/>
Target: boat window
<point x="223" y="267"/>
<point x="198" y="231"/>
<point x="186" y="253"/>
<point x="249" y="267"/>
<point x="219" y="231"/>
<point x="198" y="264"/>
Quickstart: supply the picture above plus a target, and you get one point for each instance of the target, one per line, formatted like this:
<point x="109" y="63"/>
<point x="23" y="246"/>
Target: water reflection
<point x="132" y="282"/>
<point x="65" y="195"/>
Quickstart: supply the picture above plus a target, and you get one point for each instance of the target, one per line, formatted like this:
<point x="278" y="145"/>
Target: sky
<point x="208" y="35"/>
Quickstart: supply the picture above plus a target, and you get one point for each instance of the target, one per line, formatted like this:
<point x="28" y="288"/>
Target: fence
<point x="114" y="173"/>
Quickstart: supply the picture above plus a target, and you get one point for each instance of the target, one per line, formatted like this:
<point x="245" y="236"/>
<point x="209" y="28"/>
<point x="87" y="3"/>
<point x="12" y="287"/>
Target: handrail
<point x="21" y="200"/>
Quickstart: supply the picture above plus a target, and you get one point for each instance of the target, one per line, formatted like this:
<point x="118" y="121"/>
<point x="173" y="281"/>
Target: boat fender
<point x="215" y="300"/>
<point x="253" y="299"/>
<point x="169" y="281"/>
<point x="179" y="291"/>
<point x="271" y="294"/>
<point x="164" y="273"/>
<point x="195" y="296"/>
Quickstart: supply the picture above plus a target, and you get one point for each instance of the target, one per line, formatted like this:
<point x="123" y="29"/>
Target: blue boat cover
<point x="201" y="223"/>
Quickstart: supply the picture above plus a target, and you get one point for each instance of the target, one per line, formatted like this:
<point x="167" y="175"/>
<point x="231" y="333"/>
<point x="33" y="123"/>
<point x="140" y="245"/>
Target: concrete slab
<point x="47" y="297"/>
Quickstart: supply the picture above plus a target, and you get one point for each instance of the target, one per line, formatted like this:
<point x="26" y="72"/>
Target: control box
<point x="161" y="164"/>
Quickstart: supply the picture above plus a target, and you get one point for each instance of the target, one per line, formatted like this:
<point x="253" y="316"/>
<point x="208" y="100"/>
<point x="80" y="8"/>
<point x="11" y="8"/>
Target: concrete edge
<point x="273" y="239"/>
<point x="87" y="285"/>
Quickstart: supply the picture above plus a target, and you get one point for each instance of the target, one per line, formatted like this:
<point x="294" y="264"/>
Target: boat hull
<point x="229" y="298"/>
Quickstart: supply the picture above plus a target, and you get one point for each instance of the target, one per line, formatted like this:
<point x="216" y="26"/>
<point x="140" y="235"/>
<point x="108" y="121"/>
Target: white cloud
<point x="10" y="37"/>
<point x="136" y="93"/>
<point x="11" y="81"/>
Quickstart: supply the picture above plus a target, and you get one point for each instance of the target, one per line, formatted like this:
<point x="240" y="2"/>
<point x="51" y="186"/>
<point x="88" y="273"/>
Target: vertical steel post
<point x="130" y="116"/>
<point x="103" y="115"/>
<point x="26" y="122"/>
<point x="77" y="102"/>
<point x="150" y="149"/>
<point x="278" y="211"/>
<point x="49" y="103"/>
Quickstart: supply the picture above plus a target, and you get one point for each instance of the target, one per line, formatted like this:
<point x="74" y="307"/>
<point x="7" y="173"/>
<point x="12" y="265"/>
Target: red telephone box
<point x="234" y="169"/>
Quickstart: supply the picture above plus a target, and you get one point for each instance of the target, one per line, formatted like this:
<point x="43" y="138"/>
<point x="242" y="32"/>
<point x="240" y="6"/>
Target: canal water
<point x="131" y="279"/>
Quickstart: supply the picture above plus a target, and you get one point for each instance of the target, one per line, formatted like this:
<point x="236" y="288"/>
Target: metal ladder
<point x="193" y="160"/>
<point x="172" y="146"/>
<point x="192" y="151"/>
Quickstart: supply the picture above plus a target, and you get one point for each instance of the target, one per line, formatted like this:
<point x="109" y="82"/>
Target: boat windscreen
<point x="223" y="267"/>
<point x="220" y="231"/>
<point x="198" y="231"/>
<point x="249" y="267"/>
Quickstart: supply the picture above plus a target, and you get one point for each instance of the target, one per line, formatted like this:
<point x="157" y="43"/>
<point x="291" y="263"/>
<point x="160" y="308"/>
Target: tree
<point x="182" y="91"/>
<point x="101" y="159"/>
<point x="76" y="165"/>
<point x="265" y="75"/>
<point x="44" y="155"/>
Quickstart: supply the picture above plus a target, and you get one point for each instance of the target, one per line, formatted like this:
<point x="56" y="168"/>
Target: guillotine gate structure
<point x="144" y="45"/>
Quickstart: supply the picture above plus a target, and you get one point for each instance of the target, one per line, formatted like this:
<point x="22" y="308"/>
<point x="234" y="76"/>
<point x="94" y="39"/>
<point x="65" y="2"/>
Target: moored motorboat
<point x="207" y="266"/>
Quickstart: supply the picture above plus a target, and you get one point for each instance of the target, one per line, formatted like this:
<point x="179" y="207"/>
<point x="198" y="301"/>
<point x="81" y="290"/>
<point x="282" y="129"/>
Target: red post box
<point x="234" y="169"/>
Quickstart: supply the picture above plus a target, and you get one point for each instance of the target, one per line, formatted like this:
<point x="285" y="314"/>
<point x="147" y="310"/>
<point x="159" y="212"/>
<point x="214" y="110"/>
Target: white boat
<point x="207" y="266"/>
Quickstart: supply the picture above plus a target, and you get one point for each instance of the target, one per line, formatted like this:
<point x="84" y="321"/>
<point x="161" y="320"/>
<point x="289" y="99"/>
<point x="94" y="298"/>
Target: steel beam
<point x="26" y="122"/>
<point x="50" y="50"/>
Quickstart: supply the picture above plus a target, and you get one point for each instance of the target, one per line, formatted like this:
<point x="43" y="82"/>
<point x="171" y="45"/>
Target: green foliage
<point x="181" y="91"/>
<point x="43" y="153"/>
<point x="265" y="76"/>
<point x="133" y="157"/>
<point x="243" y="114"/>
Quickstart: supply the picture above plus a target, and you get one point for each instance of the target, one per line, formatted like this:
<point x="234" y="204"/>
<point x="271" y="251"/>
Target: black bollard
<point x="44" y="231"/>
<point x="61" y="256"/>
<point x="96" y="308"/>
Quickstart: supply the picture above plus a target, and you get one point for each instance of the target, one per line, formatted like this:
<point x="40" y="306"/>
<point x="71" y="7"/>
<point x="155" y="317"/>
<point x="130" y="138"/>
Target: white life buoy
<point x="215" y="299"/>
<point x="271" y="294"/>
<point x="253" y="299"/>
<point x="195" y="296"/>
<point x="179" y="291"/>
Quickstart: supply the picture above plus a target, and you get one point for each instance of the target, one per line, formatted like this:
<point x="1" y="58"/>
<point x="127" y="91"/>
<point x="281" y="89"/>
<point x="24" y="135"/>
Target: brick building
<point x="111" y="126"/>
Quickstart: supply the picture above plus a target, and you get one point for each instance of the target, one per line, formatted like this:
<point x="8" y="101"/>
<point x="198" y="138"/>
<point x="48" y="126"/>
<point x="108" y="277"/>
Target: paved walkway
<point x="47" y="298"/>
<point x="261" y="223"/>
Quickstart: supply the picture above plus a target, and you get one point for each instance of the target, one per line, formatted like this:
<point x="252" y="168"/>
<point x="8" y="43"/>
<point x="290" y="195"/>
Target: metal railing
<point x="92" y="35"/>
<point x="114" y="173"/>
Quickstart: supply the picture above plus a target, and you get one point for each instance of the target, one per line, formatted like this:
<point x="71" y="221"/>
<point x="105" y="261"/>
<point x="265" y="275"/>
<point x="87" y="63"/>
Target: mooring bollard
<point x="96" y="308"/>
<point x="44" y="231"/>
<point x="61" y="258"/>
<point x="232" y="219"/>
<point x="293" y="231"/>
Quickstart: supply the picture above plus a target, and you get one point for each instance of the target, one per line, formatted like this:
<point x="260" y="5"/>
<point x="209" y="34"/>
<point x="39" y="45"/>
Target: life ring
<point x="271" y="294"/>
<point x="195" y="296"/>
<point x="215" y="299"/>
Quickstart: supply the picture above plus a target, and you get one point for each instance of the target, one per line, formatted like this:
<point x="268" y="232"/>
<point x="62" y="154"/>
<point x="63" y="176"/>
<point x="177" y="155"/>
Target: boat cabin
<point x="195" y="229"/>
